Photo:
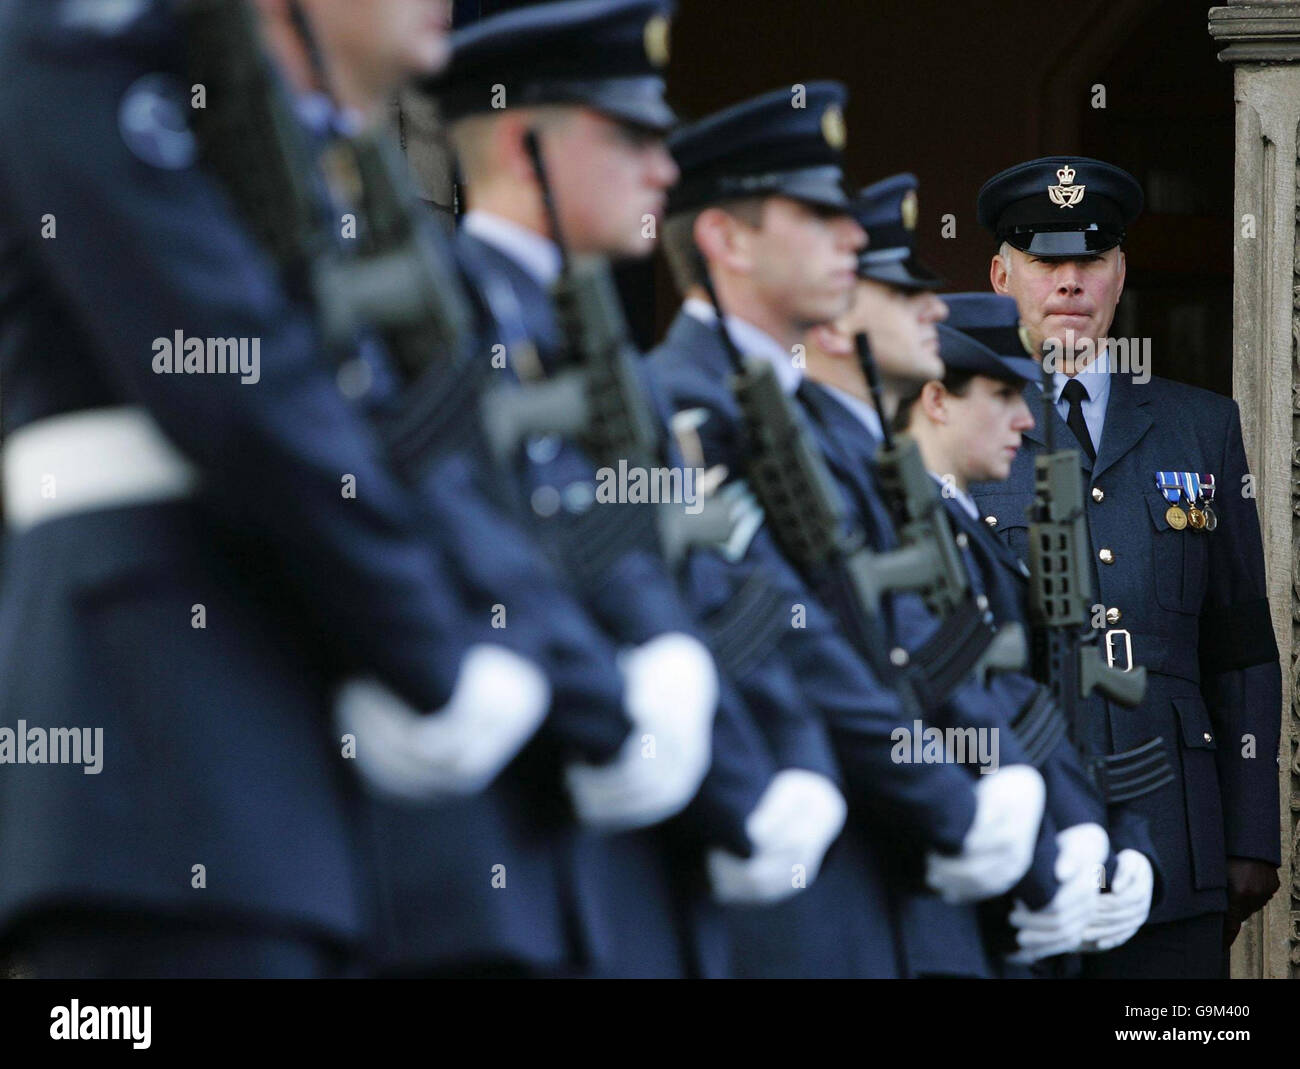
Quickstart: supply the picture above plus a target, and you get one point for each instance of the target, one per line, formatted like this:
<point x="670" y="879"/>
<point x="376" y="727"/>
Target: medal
<point x="1196" y="518"/>
<point x="1169" y="484"/>
<point x="1207" y="492"/>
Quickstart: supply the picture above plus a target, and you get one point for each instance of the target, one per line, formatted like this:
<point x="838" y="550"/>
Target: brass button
<point x="1113" y="616"/>
<point x="1098" y="494"/>
<point x="1106" y="556"/>
<point x="1208" y="737"/>
<point x="992" y="521"/>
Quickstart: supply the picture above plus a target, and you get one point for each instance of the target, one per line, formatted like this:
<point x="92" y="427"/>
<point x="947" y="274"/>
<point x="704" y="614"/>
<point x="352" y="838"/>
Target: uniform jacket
<point x="1194" y="605"/>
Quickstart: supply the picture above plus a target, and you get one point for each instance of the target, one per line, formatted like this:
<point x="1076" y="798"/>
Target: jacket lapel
<point x="1127" y="420"/>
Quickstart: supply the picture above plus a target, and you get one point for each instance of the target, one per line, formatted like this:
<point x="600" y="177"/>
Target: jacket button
<point x="1098" y="494"/>
<point x="546" y="501"/>
<point x="1208" y="737"/>
<point x="992" y="521"/>
<point x="1106" y="556"/>
<point x="1113" y="616"/>
<point x="962" y="540"/>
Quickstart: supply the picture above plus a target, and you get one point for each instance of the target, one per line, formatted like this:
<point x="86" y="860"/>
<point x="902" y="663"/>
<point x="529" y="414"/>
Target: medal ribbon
<point x="1167" y="482"/>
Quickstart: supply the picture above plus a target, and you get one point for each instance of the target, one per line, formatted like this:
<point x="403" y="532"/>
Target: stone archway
<point x="1262" y="41"/>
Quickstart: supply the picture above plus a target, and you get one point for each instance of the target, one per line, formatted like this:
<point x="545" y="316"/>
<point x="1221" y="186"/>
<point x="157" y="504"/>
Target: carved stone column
<point x="1263" y="43"/>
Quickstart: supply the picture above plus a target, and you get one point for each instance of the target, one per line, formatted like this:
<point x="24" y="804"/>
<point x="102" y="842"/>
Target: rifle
<point x="807" y="516"/>
<point x="1065" y="653"/>
<point x="929" y="561"/>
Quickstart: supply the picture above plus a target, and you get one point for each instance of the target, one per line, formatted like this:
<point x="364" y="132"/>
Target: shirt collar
<point x="319" y="114"/>
<point x="1095" y="378"/>
<point x="866" y="414"/>
<point x="536" y="254"/>
<point x="751" y="341"/>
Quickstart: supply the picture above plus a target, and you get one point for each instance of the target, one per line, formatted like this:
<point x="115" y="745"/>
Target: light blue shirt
<point x="537" y="255"/>
<point x="752" y="341"/>
<point x="1095" y="378"/>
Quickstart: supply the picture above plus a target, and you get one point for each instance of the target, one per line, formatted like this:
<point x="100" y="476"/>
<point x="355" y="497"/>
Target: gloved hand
<point x="499" y="701"/>
<point x="794" y="823"/>
<point x="1058" y="927"/>
<point x="670" y="694"/>
<point x="999" y="846"/>
<point x="1122" y="911"/>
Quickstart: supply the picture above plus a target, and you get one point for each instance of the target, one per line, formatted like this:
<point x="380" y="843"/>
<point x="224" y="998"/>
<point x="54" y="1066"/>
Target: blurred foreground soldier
<point x="559" y="108"/>
<point x="969" y="427"/>
<point x="182" y="571"/>
<point x="1176" y="559"/>
<point x="760" y="219"/>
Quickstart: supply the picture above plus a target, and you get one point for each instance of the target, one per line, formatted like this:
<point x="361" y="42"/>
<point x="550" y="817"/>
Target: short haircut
<point x="678" y="240"/>
<point x="469" y="136"/>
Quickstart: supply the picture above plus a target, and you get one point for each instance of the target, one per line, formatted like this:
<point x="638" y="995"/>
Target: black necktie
<point x="1075" y="393"/>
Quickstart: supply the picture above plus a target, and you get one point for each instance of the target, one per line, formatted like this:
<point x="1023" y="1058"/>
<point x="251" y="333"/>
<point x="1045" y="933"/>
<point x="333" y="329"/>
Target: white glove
<point x="499" y="701"/>
<point x="999" y="846"/>
<point x="1124" y="910"/>
<point x="800" y="814"/>
<point x="670" y="694"/>
<point x="1058" y="927"/>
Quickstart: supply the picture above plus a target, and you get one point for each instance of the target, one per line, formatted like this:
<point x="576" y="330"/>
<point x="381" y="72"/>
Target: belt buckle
<point x="1113" y="633"/>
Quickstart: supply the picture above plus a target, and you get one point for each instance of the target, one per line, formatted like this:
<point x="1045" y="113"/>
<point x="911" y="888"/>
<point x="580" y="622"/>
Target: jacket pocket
<point x="1201" y="794"/>
<point x="1179" y="560"/>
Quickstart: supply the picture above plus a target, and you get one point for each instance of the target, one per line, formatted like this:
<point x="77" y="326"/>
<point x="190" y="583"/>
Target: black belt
<point x="1122" y="777"/>
<point x="1039" y="727"/>
<point x="748" y="627"/>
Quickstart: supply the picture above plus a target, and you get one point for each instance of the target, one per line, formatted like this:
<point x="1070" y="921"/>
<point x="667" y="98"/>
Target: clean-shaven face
<point x="384" y="41"/>
<point x="984" y="427"/>
<point x="803" y="260"/>
<point x="1056" y="296"/>
<point x="901" y="327"/>
<point x="610" y="180"/>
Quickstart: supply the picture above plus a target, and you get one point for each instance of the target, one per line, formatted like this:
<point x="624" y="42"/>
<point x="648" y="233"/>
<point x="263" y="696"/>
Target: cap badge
<point x="908" y="210"/>
<point x="1067" y="194"/>
<point x="655" y="38"/>
<point x="833" y="128"/>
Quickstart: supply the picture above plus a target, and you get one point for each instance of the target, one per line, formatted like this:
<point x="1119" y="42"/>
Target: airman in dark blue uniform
<point x="1176" y="558"/>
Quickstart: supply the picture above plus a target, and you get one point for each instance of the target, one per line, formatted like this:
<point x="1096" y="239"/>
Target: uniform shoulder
<point x="1202" y="400"/>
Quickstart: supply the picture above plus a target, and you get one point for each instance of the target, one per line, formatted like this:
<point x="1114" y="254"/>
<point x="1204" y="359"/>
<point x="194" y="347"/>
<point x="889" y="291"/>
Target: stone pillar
<point x="1262" y="41"/>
